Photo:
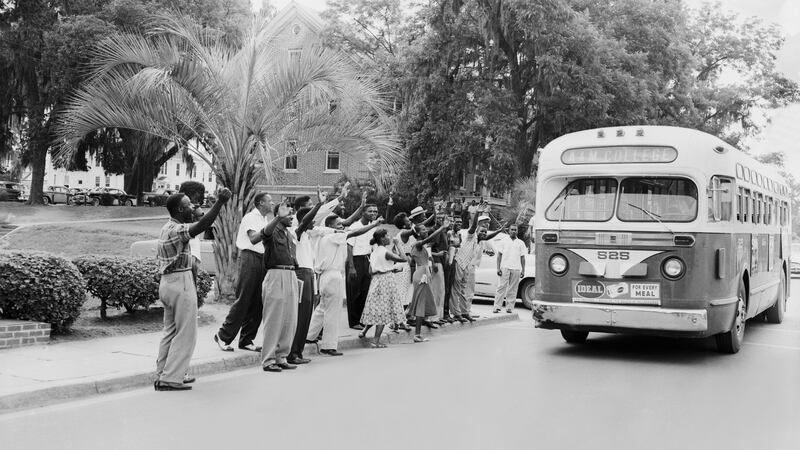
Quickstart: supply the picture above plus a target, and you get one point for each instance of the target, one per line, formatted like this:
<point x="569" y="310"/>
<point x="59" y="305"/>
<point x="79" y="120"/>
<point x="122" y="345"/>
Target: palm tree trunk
<point x="225" y="253"/>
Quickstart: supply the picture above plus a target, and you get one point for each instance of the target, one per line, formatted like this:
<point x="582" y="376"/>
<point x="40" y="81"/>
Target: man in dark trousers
<point x="177" y="290"/>
<point x="358" y="275"/>
<point x="244" y="316"/>
<point x="280" y="291"/>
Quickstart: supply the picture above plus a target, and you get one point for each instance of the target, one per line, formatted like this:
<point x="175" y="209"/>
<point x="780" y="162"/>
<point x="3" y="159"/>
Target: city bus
<point x="658" y="230"/>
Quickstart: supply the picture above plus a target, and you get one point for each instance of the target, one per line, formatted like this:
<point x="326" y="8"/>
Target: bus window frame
<point x="696" y="200"/>
<point x="569" y="183"/>
<point x="716" y="192"/>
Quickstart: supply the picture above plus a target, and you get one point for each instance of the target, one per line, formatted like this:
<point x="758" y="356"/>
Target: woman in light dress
<point x="383" y="306"/>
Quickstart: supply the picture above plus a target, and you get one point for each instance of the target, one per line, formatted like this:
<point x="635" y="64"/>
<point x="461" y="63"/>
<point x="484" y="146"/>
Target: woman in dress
<point x="383" y="305"/>
<point x="403" y="242"/>
<point x="422" y="301"/>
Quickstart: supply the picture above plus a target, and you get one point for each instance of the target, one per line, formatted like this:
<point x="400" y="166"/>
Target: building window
<point x="96" y="181"/>
<point x="210" y="174"/>
<point x="108" y="181"/>
<point x="66" y="180"/>
<point x="332" y="162"/>
<point x="177" y="169"/>
<point x="462" y="179"/>
<point x="295" y="54"/>
<point x="177" y="187"/>
<point x="163" y="170"/>
<point x="290" y="162"/>
<point x="80" y="182"/>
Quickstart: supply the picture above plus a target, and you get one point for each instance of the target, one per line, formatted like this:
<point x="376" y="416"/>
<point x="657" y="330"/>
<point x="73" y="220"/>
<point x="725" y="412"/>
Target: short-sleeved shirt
<point x="512" y="250"/>
<point x="331" y="252"/>
<point x="440" y="244"/>
<point x="252" y="221"/>
<point x="173" y="251"/>
<point x="280" y="247"/>
<point x="360" y="243"/>
<point x="470" y="246"/>
<point x="306" y="244"/>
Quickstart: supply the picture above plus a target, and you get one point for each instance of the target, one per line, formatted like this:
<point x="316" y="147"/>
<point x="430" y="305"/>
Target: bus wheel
<point x="731" y="340"/>
<point x="574" y="337"/>
<point x="775" y="313"/>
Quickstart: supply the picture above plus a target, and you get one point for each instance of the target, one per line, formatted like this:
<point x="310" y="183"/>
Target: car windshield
<point x="585" y="200"/>
<point x="657" y="200"/>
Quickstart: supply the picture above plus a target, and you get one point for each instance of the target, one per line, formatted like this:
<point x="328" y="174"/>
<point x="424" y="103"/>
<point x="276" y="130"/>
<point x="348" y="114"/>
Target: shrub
<point x="128" y="282"/>
<point x="41" y="287"/>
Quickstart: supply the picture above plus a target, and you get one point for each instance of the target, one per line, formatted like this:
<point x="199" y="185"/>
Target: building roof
<point x="294" y="12"/>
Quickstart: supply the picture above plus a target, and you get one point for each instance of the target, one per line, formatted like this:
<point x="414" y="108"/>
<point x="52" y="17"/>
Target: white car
<point x="486" y="274"/>
<point x="794" y="269"/>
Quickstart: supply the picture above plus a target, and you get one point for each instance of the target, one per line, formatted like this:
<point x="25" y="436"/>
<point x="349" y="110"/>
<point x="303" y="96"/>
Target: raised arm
<point x="357" y="213"/>
<point x="491" y="236"/>
<point x="474" y="225"/>
<point x="396" y="258"/>
<point x="308" y="219"/>
<point x="208" y="218"/>
<point x="283" y="211"/>
<point x="429" y="220"/>
<point x="433" y="235"/>
<point x="365" y="229"/>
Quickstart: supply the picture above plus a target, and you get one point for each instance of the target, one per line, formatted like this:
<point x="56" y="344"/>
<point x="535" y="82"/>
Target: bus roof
<point x="625" y="150"/>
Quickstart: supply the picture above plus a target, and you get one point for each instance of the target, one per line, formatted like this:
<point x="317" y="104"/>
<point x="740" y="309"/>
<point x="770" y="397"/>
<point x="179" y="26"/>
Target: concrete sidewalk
<point x="42" y="375"/>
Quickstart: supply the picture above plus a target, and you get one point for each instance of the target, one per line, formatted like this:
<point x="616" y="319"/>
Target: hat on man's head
<point x="484" y="217"/>
<point x="415" y="212"/>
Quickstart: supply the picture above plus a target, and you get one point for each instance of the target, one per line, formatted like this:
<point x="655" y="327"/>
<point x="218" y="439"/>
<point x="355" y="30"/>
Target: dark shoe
<point x="272" y="368"/>
<point x="300" y="360"/>
<point x="459" y="319"/>
<point x="251" y="347"/>
<point x="286" y="366"/>
<point x="331" y="352"/>
<point x="496" y="310"/>
<point x="467" y="317"/>
<point x="403" y="327"/>
<point x="509" y="311"/>
<point x="222" y="345"/>
<point x="188" y="380"/>
<point x="430" y="325"/>
<point x="358" y="327"/>
<point x="312" y="341"/>
<point x="167" y="386"/>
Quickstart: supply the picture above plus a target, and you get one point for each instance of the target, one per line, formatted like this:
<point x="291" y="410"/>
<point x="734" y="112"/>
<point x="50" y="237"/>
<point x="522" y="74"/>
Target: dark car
<point x="56" y="194"/>
<point x="9" y="191"/>
<point x="78" y="196"/>
<point x="109" y="196"/>
<point x="157" y="198"/>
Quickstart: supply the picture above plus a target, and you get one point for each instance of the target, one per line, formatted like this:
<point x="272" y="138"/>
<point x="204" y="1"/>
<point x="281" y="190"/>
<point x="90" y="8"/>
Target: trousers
<point x="304" y="310"/>
<point x="448" y="287"/>
<point x="357" y="289"/>
<point x="507" y="287"/>
<point x="463" y="289"/>
<point x="280" y="295"/>
<point x="178" y="294"/>
<point x="245" y="313"/>
<point x="326" y="314"/>
<point x="438" y="289"/>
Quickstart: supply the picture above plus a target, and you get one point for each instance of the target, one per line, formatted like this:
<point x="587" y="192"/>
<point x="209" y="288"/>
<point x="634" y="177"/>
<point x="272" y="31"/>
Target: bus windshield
<point x="657" y="199"/>
<point x="585" y="200"/>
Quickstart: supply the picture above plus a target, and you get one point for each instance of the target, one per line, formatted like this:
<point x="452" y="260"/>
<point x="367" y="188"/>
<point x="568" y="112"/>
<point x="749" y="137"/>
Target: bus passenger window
<point x="720" y="205"/>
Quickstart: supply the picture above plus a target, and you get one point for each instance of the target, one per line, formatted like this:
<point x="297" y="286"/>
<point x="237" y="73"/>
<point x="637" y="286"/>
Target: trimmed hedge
<point x="41" y="287"/>
<point x="128" y="282"/>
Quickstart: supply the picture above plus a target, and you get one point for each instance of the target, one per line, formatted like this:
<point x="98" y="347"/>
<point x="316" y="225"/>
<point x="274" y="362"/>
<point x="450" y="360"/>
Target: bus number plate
<point x="616" y="292"/>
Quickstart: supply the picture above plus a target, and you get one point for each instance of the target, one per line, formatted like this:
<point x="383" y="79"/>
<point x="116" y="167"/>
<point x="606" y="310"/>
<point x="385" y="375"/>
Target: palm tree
<point x="248" y="106"/>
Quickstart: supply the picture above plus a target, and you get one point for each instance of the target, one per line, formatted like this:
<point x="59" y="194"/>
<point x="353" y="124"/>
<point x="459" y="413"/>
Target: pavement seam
<point x="58" y="394"/>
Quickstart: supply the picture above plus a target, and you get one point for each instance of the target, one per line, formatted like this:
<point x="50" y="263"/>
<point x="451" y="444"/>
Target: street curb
<point x="226" y="362"/>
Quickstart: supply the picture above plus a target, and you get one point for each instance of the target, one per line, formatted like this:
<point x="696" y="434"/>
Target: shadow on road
<point x="636" y="348"/>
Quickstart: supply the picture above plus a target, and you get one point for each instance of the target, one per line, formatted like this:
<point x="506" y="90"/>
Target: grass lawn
<point x="21" y="214"/>
<point x="105" y="238"/>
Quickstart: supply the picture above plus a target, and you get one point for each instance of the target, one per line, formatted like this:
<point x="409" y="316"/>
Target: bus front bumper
<point x="567" y="315"/>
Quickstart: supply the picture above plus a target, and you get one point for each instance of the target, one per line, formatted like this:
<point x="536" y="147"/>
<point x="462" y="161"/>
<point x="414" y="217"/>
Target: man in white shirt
<point x="330" y="259"/>
<point x="510" y="269"/>
<point x="245" y="313"/>
<point x="358" y="274"/>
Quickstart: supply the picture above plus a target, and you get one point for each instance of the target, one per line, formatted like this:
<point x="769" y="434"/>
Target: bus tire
<point x="775" y="312"/>
<point x="731" y="341"/>
<point x="527" y="291"/>
<point x="574" y="337"/>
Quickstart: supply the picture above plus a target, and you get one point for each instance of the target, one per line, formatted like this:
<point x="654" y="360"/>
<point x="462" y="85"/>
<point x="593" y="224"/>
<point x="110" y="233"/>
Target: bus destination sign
<point x="619" y="155"/>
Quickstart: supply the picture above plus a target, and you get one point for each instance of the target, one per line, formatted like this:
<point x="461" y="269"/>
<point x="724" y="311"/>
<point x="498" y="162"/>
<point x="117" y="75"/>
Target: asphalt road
<point x="505" y="386"/>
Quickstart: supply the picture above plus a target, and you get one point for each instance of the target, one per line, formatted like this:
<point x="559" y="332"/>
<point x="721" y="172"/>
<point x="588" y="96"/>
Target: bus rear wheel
<point x="731" y="341"/>
<point x="775" y="312"/>
<point x="574" y="337"/>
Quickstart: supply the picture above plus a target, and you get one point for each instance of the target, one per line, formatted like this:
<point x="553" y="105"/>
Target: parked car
<point x="25" y="192"/>
<point x="55" y="194"/>
<point x="486" y="274"/>
<point x="795" y="259"/>
<point x="110" y="196"/>
<point x="157" y="198"/>
<point x="9" y="191"/>
<point x="78" y="196"/>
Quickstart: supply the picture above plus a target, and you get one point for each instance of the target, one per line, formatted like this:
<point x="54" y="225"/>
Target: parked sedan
<point x="486" y="274"/>
<point x="10" y="191"/>
<point x="157" y="198"/>
<point x="55" y="194"/>
<point x="109" y="196"/>
<point x="78" y="196"/>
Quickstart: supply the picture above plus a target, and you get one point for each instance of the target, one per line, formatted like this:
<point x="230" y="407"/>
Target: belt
<point x="361" y="256"/>
<point x="282" y="267"/>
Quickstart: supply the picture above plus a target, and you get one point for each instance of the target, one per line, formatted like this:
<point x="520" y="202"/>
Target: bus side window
<point x="721" y="200"/>
<point x="740" y="206"/>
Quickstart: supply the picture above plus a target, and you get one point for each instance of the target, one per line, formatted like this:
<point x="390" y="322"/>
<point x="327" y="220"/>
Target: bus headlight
<point x="673" y="268"/>
<point x="558" y="264"/>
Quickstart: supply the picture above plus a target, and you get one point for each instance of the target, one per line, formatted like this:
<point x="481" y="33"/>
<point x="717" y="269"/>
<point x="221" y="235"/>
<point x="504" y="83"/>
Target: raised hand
<point x="321" y="196"/>
<point x="364" y="195"/>
<point x="284" y="210"/>
<point x="345" y="190"/>
<point x="381" y="220"/>
<point x="224" y="195"/>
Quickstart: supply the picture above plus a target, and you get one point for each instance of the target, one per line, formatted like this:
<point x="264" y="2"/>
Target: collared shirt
<point x="440" y="244"/>
<point x="279" y="247"/>
<point x="324" y="211"/>
<point x="331" y="252"/>
<point x="173" y="252"/>
<point x="305" y="246"/>
<point x="512" y="250"/>
<point x="360" y="244"/>
<point x="252" y="221"/>
<point x="469" y="247"/>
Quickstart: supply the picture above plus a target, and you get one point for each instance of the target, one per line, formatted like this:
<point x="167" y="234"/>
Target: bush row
<point x="47" y="288"/>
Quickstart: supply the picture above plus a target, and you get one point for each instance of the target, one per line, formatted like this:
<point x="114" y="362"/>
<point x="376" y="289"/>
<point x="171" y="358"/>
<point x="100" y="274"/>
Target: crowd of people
<point x="299" y="262"/>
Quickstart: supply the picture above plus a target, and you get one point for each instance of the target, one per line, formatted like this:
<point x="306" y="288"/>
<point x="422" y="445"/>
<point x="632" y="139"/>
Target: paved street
<point x="501" y="386"/>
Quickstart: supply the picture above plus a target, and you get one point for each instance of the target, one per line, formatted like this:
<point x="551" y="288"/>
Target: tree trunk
<point x="38" y="161"/>
<point x="225" y="252"/>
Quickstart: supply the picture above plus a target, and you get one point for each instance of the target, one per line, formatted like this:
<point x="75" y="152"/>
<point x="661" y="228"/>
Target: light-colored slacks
<point x="437" y="287"/>
<point x="463" y="290"/>
<point x="178" y="294"/>
<point x="507" y="286"/>
<point x="326" y="314"/>
<point x="280" y="295"/>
